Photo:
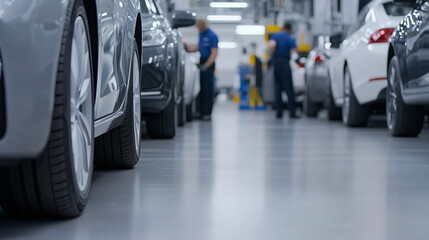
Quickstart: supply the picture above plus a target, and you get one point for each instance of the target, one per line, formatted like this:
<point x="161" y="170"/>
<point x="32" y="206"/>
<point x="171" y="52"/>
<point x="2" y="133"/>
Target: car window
<point x="395" y="10"/>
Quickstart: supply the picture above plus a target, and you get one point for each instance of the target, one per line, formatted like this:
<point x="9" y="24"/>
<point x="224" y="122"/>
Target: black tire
<point x="311" y="109"/>
<point x="163" y="125"/>
<point x="47" y="186"/>
<point x="190" y="111"/>
<point x="334" y="112"/>
<point x="355" y="115"/>
<point x="182" y="113"/>
<point x="404" y="120"/>
<point x="117" y="148"/>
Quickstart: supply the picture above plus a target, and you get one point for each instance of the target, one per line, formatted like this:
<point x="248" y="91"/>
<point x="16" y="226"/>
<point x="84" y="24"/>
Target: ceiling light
<point x="227" y="45"/>
<point x="250" y="30"/>
<point x="229" y="4"/>
<point x="224" y="18"/>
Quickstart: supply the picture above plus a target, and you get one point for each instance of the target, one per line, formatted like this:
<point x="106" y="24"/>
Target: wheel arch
<point x="91" y="11"/>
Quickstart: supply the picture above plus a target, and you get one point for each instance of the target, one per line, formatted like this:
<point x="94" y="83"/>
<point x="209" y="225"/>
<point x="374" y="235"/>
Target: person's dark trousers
<point x="207" y="90"/>
<point x="284" y="82"/>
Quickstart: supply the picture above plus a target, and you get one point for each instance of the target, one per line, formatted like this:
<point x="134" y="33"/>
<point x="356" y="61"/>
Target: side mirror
<point x="405" y="2"/>
<point x="183" y="19"/>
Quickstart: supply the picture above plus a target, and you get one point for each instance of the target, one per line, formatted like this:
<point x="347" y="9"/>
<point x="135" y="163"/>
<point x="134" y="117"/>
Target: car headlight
<point x="153" y="38"/>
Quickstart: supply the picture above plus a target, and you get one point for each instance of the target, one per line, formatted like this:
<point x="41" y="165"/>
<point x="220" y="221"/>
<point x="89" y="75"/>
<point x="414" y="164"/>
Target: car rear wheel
<point x="190" y="110"/>
<point x="311" y="109"/>
<point x="334" y="112"/>
<point x="402" y="120"/>
<point x="182" y="113"/>
<point x="57" y="183"/>
<point x="354" y="114"/>
<point x="163" y="124"/>
<point x="120" y="148"/>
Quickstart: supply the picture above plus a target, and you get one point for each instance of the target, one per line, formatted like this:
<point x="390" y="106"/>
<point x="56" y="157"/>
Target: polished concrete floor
<point x="248" y="176"/>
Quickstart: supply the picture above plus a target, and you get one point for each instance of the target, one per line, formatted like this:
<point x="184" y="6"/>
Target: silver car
<point x="317" y="89"/>
<point x="70" y="98"/>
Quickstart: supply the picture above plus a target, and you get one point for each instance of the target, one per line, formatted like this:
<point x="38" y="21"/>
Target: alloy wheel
<point x="136" y="102"/>
<point x="81" y="106"/>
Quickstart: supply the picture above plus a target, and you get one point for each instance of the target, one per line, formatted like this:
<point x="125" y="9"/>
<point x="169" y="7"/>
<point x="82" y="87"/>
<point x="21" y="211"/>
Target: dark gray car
<point x="163" y="70"/>
<point x="70" y="97"/>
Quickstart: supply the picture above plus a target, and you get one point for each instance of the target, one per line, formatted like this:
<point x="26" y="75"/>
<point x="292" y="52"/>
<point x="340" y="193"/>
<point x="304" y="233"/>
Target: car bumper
<point x="29" y="48"/>
<point x="368" y="71"/>
<point x="155" y="83"/>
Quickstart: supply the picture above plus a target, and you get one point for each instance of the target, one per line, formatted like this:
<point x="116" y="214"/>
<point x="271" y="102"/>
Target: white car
<point x="192" y="84"/>
<point x="358" y="75"/>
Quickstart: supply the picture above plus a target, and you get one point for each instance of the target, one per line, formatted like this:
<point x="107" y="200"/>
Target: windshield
<point x="395" y="10"/>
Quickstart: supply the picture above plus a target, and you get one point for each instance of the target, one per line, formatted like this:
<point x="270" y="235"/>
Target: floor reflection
<point x="247" y="175"/>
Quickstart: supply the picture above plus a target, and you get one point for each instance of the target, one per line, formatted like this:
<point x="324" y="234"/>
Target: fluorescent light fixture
<point x="227" y="45"/>
<point x="250" y="30"/>
<point x="224" y="18"/>
<point x="229" y="4"/>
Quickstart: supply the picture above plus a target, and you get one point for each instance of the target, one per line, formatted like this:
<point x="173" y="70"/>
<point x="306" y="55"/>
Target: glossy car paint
<point x="163" y="64"/>
<point x="31" y="33"/>
<point x="410" y="43"/>
<point x="367" y="62"/>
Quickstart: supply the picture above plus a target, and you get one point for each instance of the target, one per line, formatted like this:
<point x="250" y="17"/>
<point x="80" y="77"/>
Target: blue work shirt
<point x="285" y="43"/>
<point x="208" y="40"/>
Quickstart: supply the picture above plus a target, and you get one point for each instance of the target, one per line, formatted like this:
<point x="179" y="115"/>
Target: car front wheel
<point x="402" y="120"/>
<point x="311" y="108"/>
<point x="57" y="183"/>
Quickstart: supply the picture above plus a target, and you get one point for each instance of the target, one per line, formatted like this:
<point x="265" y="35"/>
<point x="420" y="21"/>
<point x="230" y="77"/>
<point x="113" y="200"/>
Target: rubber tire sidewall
<point x="403" y="110"/>
<point x="334" y="112"/>
<point x="81" y="198"/>
<point x="358" y="115"/>
<point x="310" y="108"/>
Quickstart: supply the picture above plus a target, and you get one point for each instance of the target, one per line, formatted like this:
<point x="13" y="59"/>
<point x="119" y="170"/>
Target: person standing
<point x="282" y="45"/>
<point x="208" y="48"/>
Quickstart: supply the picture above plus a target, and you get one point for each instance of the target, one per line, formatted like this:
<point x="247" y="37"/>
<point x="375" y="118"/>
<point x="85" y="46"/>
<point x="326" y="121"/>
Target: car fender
<point x="31" y="39"/>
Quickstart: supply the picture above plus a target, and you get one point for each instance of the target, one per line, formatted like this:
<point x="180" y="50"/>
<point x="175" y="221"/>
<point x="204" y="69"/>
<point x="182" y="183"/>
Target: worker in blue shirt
<point x="208" y="48"/>
<point x="281" y="46"/>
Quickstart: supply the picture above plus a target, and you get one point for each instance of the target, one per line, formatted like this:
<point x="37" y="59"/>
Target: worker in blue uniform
<point x="208" y="48"/>
<point x="282" y="45"/>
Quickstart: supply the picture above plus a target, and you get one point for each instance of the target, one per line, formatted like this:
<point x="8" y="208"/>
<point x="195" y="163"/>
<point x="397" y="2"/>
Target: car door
<point x="108" y="83"/>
